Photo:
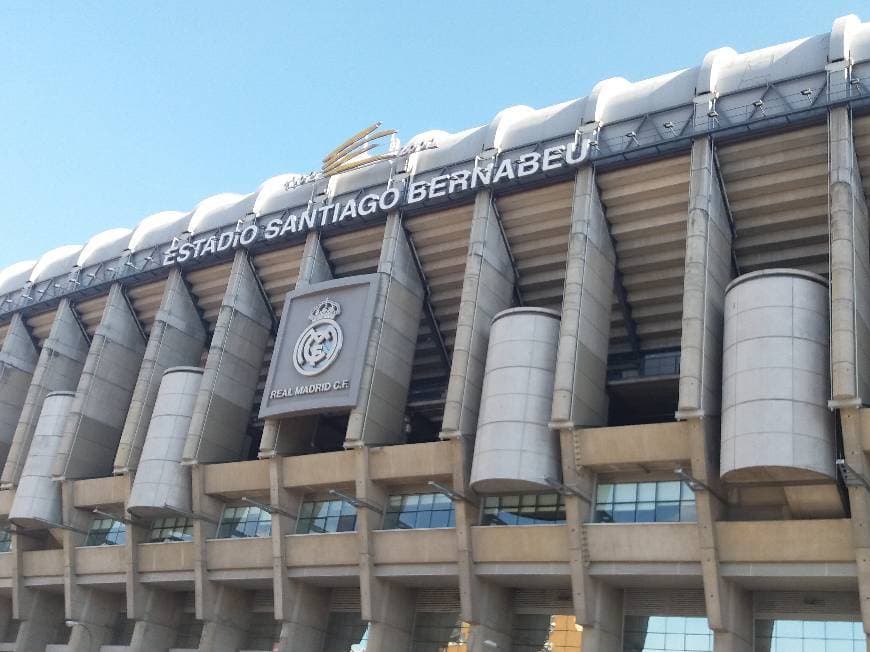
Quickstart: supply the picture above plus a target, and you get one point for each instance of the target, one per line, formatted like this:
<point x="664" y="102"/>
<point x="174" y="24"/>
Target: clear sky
<point x="112" y="111"/>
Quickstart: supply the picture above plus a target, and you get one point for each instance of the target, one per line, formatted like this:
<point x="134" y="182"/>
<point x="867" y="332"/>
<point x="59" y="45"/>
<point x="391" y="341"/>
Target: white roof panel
<point x="15" y="276"/>
<point x="55" y="262"/>
<point x="157" y="229"/>
<point x="104" y="246"/>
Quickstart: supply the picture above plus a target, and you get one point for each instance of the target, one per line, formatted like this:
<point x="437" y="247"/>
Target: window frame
<point x="115" y="527"/>
<point x="559" y="506"/>
<point x="183" y="524"/>
<point x="264" y="517"/>
<point x="345" y="511"/>
<point x="437" y="497"/>
<point x="683" y="504"/>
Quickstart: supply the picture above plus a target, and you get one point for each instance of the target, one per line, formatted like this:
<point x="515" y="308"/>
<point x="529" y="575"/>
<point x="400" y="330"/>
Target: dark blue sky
<point x="112" y="111"/>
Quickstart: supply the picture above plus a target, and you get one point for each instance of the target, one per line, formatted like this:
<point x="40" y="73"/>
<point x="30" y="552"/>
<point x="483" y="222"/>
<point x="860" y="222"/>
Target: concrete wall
<point x="486" y="290"/>
<point x="379" y="415"/>
<point x="579" y="396"/>
<point x="18" y="358"/>
<point x="93" y="428"/>
<point x="226" y="395"/>
<point x="160" y="479"/>
<point x="177" y="338"/>
<point x="60" y="365"/>
<point x="37" y="499"/>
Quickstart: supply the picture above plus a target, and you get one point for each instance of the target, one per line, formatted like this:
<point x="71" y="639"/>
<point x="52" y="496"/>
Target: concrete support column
<point x="387" y="606"/>
<point x="597" y="606"/>
<point x="226" y="395"/>
<point x="580" y="396"/>
<point x="707" y="273"/>
<point x="93" y="427"/>
<point x="18" y="358"/>
<point x="850" y="340"/>
<point x="604" y="632"/>
<point x="156" y="621"/>
<point x="95" y="612"/>
<point x="42" y="621"/>
<point x="224" y="610"/>
<point x="291" y="436"/>
<point x="850" y="265"/>
<point x="156" y="612"/>
<point x="177" y="338"/>
<point x="59" y="367"/>
<point x="389" y="357"/>
<point x="487" y="289"/>
<point x="5" y="617"/>
<point x="303" y="609"/>
<point x="485" y="606"/>
<point x="40" y="613"/>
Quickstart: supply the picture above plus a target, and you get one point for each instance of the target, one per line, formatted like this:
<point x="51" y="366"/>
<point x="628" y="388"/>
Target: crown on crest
<point x="326" y="309"/>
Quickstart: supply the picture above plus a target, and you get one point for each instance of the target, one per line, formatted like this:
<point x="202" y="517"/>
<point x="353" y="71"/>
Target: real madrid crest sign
<point x="319" y="345"/>
<point x="320" y="348"/>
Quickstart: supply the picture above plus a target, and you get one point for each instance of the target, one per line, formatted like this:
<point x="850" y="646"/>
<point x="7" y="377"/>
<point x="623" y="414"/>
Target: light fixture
<point x="696" y="485"/>
<point x="566" y="490"/>
<point x="851" y="477"/>
<point x="447" y="491"/>
<point x="269" y="509"/>
<point x="356" y="502"/>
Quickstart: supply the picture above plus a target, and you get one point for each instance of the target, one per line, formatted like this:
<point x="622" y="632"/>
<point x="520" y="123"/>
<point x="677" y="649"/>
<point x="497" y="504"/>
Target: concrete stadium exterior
<point x="599" y="366"/>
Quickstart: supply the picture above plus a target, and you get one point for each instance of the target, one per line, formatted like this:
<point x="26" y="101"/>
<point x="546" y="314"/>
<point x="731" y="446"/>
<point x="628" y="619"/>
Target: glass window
<point x="672" y="633"/>
<point x="5" y="540"/>
<point x="176" y="528"/>
<point x="318" y="516"/>
<point x="433" y="632"/>
<point x="810" y="635"/>
<point x="528" y="509"/>
<point x="106" y="532"/>
<point x="411" y="511"/>
<point x="344" y="630"/>
<point x="538" y="632"/>
<point x="244" y="522"/>
<point x="644" y="502"/>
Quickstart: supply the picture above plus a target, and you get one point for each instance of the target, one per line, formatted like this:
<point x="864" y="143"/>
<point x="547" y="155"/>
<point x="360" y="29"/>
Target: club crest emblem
<point x="320" y="343"/>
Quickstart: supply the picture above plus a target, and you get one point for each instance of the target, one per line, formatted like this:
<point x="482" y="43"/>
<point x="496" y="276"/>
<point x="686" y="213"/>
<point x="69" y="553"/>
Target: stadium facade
<point x="600" y="366"/>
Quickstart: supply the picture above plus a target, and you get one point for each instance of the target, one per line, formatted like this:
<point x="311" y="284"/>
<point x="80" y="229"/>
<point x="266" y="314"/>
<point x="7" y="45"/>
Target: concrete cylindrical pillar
<point x="776" y="378"/>
<point x="515" y="450"/>
<point x="37" y="499"/>
<point x="160" y="479"/>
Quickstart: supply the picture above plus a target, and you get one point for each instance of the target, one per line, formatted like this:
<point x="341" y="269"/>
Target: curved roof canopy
<point x="722" y="71"/>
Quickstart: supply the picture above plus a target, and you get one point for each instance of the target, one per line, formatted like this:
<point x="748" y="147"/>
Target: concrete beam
<point x="707" y="273"/>
<point x="389" y="356"/>
<point x="580" y="396"/>
<point x="95" y="612"/>
<point x="226" y="396"/>
<point x="96" y="419"/>
<point x="59" y="367"/>
<point x="156" y="622"/>
<point x="18" y="358"/>
<point x="292" y="436"/>
<point x="41" y="622"/>
<point x="177" y="339"/>
<point x="850" y="265"/>
<point x="224" y="610"/>
<point x="303" y="609"/>
<point x="387" y="606"/>
<point x="850" y="315"/>
<point x="487" y="289"/>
